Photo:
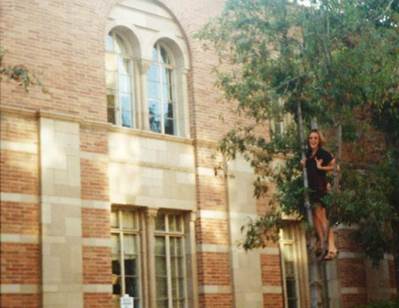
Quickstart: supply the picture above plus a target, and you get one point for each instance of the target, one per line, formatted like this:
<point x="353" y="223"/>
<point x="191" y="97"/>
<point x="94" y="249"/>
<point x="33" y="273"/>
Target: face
<point x="314" y="140"/>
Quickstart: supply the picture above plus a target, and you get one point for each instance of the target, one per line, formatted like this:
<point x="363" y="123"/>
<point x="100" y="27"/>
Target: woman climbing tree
<point x="318" y="162"/>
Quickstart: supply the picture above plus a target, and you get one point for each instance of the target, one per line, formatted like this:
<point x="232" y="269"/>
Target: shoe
<point x="331" y="255"/>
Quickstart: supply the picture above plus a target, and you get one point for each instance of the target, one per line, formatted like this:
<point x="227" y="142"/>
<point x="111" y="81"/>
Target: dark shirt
<point x="317" y="178"/>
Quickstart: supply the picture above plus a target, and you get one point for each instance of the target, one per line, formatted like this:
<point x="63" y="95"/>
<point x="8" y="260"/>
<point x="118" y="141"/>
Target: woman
<point x="318" y="162"/>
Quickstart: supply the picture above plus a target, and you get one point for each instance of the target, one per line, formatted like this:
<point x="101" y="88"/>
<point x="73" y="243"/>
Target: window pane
<point x="154" y="90"/>
<point x="153" y="73"/>
<point x="164" y="56"/>
<point x="129" y="244"/>
<point x="162" y="288"/>
<point x="131" y="286"/>
<point x="162" y="303"/>
<point x="160" y="265"/>
<point x="169" y="127"/>
<point x="126" y="106"/>
<point x="110" y="80"/>
<point x="160" y="246"/>
<point x="155" y="118"/>
<point x="168" y="109"/>
<point x="111" y="108"/>
<point x="116" y="285"/>
<point x="110" y="62"/>
<point x="129" y="220"/>
<point x="154" y="54"/>
<point x="114" y="219"/>
<point x="131" y="265"/>
<point x="116" y="267"/>
<point x="109" y="43"/>
<point x="124" y="66"/>
<point x="124" y="83"/>
<point x="160" y="222"/>
<point x="172" y="222"/>
<point x="115" y="244"/>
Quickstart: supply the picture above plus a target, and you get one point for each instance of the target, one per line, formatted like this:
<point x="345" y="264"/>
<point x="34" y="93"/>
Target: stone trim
<point x="61" y="200"/>
<point x="19" y="289"/>
<point x="16" y="197"/>
<point x="270" y="251"/>
<point x="211" y="214"/>
<point x="96" y="204"/>
<point x="353" y="290"/>
<point x="86" y="123"/>
<point x="18" y="111"/>
<point x="272" y="289"/>
<point x="212" y="248"/>
<point x="19" y="238"/>
<point x="97" y="242"/>
<point x="150" y="134"/>
<point x="214" y="289"/>
<point x="97" y="288"/>
<point x="25" y="147"/>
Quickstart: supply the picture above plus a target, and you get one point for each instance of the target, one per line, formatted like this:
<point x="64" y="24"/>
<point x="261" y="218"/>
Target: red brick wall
<point x="93" y="139"/>
<point x="98" y="300"/>
<point x="97" y="265"/>
<point x="212" y="231"/>
<point x="94" y="180"/>
<point x="19" y="172"/>
<point x="273" y="301"/>
<point x="19" y="218"/>
<point x="95" y="223"/>
<point x="20" y="300"/>
<point x="214" y="268"/>
<point x="216" y="300"/>
<point x="20" y="263"/>
<point x="271" y="270"/>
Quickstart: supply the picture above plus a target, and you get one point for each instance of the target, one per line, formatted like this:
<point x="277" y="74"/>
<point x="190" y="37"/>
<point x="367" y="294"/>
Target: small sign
<point x="127" y="301"/>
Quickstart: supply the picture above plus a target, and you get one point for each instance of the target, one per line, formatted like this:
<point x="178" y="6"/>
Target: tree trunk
<point x="315" y="298"/>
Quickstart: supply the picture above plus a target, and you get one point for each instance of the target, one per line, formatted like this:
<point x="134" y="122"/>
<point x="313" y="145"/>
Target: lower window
<point x="130" y="269"/>
<point x="293" y="250"/>
<point x="125" y="255"/>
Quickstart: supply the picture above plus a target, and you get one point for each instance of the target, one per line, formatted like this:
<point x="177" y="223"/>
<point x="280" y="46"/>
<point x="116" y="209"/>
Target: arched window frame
<point x="116" y="116"/>
<point x="171" y="94"/>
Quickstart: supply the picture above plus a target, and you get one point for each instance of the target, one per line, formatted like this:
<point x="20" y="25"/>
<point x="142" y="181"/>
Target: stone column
<point x="61" y="214"/>
<point x="150" y="223"/>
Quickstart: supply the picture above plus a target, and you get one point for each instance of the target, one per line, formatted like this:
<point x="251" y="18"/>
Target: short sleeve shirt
<point x="317" y="178"/>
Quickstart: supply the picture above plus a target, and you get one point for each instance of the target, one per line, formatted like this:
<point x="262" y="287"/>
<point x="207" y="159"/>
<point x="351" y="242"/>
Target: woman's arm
<point x="329" y="167"/>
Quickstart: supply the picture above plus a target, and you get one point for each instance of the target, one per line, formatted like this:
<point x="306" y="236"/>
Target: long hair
<point x="322" y="140"/>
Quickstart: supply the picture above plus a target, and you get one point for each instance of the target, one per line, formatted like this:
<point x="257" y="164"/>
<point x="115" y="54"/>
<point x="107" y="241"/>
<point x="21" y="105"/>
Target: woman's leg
<point x="319" y="225"/>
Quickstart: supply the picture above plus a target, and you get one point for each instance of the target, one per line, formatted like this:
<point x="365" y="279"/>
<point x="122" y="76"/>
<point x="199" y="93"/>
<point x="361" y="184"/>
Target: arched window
<point x="119" y="81"/>
<point x="160" y="90"/>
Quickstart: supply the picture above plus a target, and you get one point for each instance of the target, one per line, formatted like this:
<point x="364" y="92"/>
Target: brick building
<point x="108" y="182"/>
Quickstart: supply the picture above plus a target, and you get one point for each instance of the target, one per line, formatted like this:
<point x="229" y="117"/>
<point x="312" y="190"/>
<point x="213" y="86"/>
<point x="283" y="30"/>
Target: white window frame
<point x="172" y="68"/>
<point x="121" y="231"/>
<point x="133" y="88"/>
<point x="293" y="242"/>
<point x="168" y="234"/>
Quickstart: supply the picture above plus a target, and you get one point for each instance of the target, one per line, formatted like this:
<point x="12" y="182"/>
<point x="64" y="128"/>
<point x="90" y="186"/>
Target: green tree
<point x="335" y="61"/>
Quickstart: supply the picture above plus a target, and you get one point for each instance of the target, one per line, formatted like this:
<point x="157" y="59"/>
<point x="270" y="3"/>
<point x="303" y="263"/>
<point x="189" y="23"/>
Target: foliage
<point x="382" y="304"/>
<point x="19" y="73"/>
<point x="335" y="58"/>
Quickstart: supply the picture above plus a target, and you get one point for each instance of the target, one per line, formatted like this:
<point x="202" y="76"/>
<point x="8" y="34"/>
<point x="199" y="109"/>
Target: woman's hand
<point x="319" y="163"/>
<point x="303" y="162"/>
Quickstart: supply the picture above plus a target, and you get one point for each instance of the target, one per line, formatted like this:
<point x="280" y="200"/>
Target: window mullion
<point x="118" y="115"/>
<point x="122" y="256"/>
<point x="161" y="77"/>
